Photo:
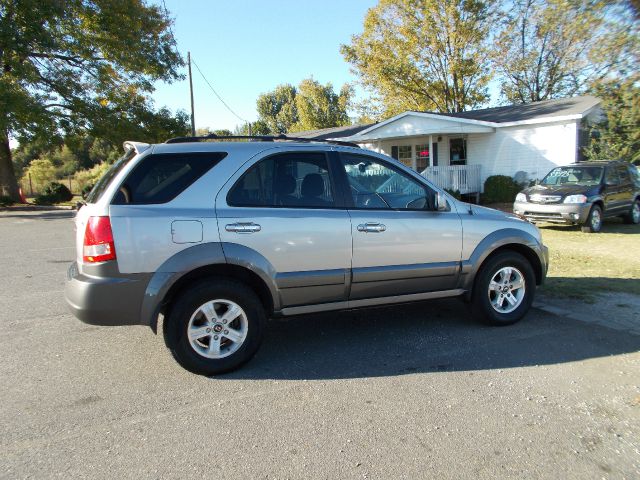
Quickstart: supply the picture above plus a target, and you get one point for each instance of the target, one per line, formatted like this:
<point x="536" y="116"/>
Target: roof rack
<point x="258" y="138"/>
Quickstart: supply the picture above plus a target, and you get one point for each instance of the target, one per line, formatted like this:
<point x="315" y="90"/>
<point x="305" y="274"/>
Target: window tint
<point x="611" y="177"/>
<point x="294" y="180"/>
<point x="161" y="178"/>
<point x="634" y="173"/>
<point x="376" y="185"/>
<point x="623" y="173"/>
<point x="105" y="180"/>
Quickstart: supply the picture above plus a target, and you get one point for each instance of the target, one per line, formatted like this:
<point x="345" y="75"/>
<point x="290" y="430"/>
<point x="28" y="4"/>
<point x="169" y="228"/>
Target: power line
<point x="216" y="93"/>
<point x="166" y="11"/>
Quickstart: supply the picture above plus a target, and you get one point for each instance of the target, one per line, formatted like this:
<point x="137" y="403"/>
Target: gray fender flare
<point x="490" y="244"/>
<point x="197" y="256"/>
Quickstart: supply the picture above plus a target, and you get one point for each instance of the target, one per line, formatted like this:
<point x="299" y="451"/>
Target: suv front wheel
<point x="215" y="326"/>
<point x="503" y="290"/>
<point x="594" y="220"/>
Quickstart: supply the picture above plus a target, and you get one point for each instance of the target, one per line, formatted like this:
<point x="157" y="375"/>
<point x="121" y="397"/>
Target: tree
<point x="617" y="137"/>
<point x="82" y="65"/>
<point x="424" y="54"/>
<point x="278" y="108"/>
<point x="319" y="106"/>
<point x="558" y="48"/>
<point x="259" y="127"/>
<point x="311" y="106"/>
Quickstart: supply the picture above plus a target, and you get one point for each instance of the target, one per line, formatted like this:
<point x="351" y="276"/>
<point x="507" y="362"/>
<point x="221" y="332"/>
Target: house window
<point x="458" y="151"/>
<point x="422" y="157"/>
<point x="404" y="155"/>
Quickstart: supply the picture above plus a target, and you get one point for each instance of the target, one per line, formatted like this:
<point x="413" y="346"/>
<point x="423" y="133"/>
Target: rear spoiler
<point x="138" y="147"/>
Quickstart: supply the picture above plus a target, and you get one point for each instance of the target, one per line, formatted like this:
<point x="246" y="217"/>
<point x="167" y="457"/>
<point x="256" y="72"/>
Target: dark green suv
<point x="583" y="194"/>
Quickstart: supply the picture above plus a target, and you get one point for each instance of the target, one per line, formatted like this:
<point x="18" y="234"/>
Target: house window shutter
<point x="394" y="152"/>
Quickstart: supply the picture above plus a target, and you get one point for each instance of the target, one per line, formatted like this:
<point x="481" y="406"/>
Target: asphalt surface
<point x="417" y="391"/>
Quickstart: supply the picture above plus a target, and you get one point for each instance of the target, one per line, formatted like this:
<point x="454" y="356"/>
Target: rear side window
<point x="292" y="180"/>
<point x="160" y="178"/>
<point x="104" y="182"/>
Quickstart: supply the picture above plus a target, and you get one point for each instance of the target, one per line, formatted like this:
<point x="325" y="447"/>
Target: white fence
<point x="463" y="178"/>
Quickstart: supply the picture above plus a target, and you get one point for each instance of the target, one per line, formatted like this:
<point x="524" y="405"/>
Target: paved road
<point x="405" y="392"/>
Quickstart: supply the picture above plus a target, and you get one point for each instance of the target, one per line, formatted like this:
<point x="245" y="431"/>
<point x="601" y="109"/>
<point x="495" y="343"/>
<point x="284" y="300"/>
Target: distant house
<point x="459" y="151"/>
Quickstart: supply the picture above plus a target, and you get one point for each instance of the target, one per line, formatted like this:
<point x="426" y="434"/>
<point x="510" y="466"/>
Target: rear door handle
<point x="372" y="227"/>
<point x="240" y="227"/>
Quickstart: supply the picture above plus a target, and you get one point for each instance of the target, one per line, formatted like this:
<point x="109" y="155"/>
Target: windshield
<point x="573" y="176"/>
<point x="105" y="180"/>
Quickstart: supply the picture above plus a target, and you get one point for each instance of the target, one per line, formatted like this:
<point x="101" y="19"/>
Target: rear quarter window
<point x="159" y="178"/>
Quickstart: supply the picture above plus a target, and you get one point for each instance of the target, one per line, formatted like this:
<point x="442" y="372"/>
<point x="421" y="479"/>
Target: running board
<point x="369" y="302"/>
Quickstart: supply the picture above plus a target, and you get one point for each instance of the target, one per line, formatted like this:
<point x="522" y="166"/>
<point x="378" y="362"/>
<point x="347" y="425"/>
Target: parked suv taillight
<point x="98" y="241"/>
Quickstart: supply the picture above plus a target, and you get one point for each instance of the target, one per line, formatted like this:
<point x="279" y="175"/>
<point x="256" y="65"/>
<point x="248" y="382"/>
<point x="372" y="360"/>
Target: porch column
<point x="431" y="150"/>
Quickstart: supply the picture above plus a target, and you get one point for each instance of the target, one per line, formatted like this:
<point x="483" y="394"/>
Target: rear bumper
<point x="115" y="300"/>
<point x="570" y="213"/>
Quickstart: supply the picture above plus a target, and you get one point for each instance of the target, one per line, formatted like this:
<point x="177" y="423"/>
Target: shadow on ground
<point x="432" y="336"/>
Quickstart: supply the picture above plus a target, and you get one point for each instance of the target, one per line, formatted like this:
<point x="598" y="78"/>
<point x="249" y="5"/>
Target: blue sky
<point x="247" y="47"/>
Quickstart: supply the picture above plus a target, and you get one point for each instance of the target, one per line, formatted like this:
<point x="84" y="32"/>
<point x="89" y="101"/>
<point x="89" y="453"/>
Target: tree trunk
<point x="8" y="182"/>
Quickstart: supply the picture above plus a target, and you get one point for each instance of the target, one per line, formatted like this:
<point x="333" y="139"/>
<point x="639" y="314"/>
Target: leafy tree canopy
<point x="277" y="108"/>
<point x="82" y="65"/>
<point x="424" y="54"/>
<point x="310" y="106"/>
<point x="617" y="137"/>
<point x="559" y="48"/>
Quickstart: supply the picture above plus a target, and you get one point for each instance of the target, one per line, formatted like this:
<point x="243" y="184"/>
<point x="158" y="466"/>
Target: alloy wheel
<point x="506" y="290"/>
<point x="217" y="329"/>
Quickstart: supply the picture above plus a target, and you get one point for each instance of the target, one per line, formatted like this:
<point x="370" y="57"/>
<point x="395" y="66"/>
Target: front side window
<point x="376" y="185"/>
<point x="292" y="180"/>
<point x="611" y="177"/>
<point x="159" y="178"/>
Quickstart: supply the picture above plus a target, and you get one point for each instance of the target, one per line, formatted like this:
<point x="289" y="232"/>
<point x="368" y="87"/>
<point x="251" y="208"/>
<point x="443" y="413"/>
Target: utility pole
<point x="193" y="121"/>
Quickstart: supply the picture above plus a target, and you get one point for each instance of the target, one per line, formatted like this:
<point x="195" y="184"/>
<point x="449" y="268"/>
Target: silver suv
<point x="212" y="238"/>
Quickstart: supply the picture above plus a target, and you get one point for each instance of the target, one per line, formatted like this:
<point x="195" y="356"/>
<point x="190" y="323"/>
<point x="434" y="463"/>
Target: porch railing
<point x="463" y="178"/>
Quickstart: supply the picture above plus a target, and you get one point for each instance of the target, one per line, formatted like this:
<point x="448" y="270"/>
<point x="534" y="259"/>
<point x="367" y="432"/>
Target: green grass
<point x="584" y="264"/>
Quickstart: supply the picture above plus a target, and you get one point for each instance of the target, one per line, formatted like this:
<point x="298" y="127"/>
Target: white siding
<point x="534" y="149"/>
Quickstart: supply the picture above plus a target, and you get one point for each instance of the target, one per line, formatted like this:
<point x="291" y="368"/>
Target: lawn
<point x="584" y="264"/>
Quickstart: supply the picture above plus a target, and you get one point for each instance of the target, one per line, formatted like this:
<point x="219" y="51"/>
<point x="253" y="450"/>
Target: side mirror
<point x="441" y="202"/>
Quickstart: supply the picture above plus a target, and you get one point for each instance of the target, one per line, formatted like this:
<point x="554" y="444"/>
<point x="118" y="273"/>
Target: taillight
<point x="98" y="241"/>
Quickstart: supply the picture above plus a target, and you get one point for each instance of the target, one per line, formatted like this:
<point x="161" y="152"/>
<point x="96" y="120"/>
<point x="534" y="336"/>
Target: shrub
<point x="500" y="189"/>
<point x="86" y="190"/>
<point x="53" y="193"/>
<point x="5" y="201"/>
<point x="88" y="178"/>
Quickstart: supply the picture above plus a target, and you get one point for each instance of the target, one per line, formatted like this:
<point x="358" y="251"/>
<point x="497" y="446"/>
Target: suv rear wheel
<point x="633" y="217"/>
<point x="503" y="290"/>
<point x="215" y="326"/>
<point x="594" y="220"/>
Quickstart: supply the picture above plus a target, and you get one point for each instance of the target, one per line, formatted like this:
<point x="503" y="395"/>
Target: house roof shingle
<point x="517" y="113"/>
<point x="333" y="132"/>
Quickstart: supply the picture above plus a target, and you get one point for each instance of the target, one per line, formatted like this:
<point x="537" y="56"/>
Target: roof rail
<point x="258" y="138"/>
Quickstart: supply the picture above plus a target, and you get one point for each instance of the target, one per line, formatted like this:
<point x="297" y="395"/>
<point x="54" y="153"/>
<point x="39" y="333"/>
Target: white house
<point x="459" y="151"/>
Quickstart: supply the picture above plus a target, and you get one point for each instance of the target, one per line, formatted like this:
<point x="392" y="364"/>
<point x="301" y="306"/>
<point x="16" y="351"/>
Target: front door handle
<point x="372" y="227"/>
<point x="240" y="227"/>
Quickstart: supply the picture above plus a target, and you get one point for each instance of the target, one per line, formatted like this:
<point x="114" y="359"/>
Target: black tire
<point x="591" y="225"/>
<point x="629" y="218"/>
<point x="481" y="306"/>
<point x="189" y="302"/>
